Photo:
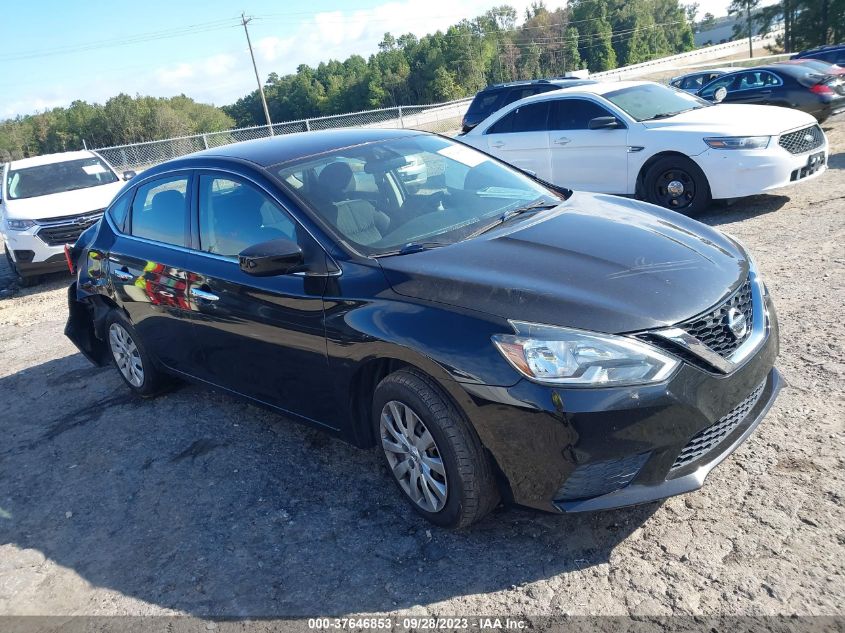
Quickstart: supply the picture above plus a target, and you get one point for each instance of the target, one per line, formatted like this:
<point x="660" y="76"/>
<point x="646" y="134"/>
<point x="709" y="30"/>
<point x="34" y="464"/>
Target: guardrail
<point x="702" y="54"/>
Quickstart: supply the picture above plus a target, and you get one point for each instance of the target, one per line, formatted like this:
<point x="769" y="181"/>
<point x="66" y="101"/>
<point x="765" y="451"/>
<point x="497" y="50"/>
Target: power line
<point x="124" y="41"/>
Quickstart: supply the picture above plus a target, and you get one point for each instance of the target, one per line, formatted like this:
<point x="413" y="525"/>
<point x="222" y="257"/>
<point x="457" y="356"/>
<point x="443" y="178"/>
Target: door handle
<point x="497" y="145"/>
<point x="562" y="140"/>
<point x="123" y="275"/>
<point x="202" y="295"/>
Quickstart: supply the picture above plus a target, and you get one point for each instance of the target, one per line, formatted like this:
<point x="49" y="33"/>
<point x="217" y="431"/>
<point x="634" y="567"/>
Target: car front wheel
<point x="677" y="183"/>
<point x="435" y="457"/>
<point x="22" y="281"/>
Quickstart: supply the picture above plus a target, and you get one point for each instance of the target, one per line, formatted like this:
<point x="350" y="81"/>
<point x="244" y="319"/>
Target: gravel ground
<point x="195" y="503"/>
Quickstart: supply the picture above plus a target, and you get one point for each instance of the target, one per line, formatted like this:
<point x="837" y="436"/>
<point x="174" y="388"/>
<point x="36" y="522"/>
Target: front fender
<point x="448" y="343"/>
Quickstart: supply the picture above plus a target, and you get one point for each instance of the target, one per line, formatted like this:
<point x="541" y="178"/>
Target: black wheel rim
<point x="674" y="189"/>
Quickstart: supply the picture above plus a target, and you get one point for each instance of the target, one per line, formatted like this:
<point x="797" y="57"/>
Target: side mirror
<point x="720" y="94"/>
<point x="276" y="257"/>
<point x="604" y="123"/>
<point x="129" y="174"/>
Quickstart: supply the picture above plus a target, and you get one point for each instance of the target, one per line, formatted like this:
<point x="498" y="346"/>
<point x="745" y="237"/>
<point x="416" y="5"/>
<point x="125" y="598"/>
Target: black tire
<point x="471" y="488"/>
<point x="153" y="380"/>
<point x="694" y="197"/>
<point x="22" y="281"/>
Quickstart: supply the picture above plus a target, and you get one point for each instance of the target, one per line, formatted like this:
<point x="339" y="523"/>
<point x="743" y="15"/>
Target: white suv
<point x="47" y="201"/>
<point x="646" y="139"/>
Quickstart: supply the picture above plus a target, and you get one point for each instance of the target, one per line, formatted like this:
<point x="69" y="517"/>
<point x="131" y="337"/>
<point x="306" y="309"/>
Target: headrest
<point x="335" y="178"/>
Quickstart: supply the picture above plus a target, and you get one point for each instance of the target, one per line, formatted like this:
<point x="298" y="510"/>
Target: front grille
<point x="598" y="478"/>
<point x="712" y="436"/>
<point x="67" y="230"/>
<point x="802" y="140"/>
<point x="712" y="328"/>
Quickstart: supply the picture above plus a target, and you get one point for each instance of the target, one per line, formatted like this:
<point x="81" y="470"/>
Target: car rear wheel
<point x="435" y="458"/>
<point x="132" y="361"/>
<point x="677" y="183"/>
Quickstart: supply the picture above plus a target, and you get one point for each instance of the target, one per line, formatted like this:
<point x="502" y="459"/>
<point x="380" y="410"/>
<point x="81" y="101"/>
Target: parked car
<point x="568" y="351"/>
<point x="834" y="54"/>
<point x="497" y="96"/>
<point x="693" y="82"/>
<point x="788" y="86"/>
<point x="822" y="68"/>
<point x="47" y="202"/>
<point x="646" y="139"/>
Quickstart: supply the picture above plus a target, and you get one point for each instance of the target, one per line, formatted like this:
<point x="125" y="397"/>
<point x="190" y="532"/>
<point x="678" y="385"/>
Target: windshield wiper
<point x="411" y="247"/>
<point x="666" y="115"/>
<point x="537" y="205"/>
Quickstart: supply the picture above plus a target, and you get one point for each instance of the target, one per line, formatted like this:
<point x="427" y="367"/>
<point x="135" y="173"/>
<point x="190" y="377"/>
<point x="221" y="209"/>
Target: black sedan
<point x="788" y="85"/>
<point x="494" y="336"/>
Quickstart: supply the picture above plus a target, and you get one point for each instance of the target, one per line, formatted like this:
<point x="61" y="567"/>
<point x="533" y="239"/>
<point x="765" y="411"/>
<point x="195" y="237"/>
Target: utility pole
<point x="750" y="29"/>
<point x="246" y="21"/>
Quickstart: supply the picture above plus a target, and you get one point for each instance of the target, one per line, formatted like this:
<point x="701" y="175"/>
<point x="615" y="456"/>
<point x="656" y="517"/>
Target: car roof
<point x="821" y="49"/>
<point x="597" y="88"/>
<point x="286" y="147"/>
<point x="701" y="71"/>
<point x="557" y="81"/>
<point x="793" y="70"/>
<point x="49" y="159"/>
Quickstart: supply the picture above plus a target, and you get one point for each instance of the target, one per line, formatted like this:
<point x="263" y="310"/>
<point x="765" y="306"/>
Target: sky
<point x="55" y="51"/>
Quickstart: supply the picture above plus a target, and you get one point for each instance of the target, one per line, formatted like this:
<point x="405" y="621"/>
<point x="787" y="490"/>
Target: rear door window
<point x="574" y="114"/>
<point x="527" y="118"/>
<point x="160" y="210"/>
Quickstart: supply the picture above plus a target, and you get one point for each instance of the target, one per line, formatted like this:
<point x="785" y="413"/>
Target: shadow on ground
<point x="197" y="502"/>
<point x="750" y="207"/>
<point x="836" y="161"/>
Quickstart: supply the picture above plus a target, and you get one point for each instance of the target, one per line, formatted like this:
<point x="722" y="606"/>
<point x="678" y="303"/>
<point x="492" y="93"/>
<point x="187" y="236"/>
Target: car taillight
<point x="822" y="89"/>
<point x="69" y="259"/>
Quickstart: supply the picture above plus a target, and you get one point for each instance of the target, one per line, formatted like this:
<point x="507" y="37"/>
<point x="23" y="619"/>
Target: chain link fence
<point x="442" y="118"/>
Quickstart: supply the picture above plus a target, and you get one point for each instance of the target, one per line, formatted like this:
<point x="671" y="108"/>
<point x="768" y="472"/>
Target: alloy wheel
<point x="413" y="456"/>
<point x="675" y="189"/>
<point x="126" y="355"/>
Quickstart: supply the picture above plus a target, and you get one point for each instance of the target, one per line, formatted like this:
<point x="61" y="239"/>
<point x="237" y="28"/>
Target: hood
<point x="57" y="205"/>
<point x="595" y="262"/>
<point x="736" y="120"/>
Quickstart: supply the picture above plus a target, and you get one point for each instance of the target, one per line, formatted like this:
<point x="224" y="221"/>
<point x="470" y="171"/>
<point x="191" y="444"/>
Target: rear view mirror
<point x="604" y="123"/>
<point x="276" y="257"/>
<point x="720" y="94"/>
<point x="129" y="174"/>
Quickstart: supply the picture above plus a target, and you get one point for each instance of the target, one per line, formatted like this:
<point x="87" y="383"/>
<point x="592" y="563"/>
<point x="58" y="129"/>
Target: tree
<point x="707" y="22"/>
<point x="744" y="27"/>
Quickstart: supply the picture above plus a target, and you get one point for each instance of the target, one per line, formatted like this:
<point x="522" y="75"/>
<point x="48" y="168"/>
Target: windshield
<point x="421" y="190"/>
<point x="42" y="180"/>
<point x="653" y="101"/>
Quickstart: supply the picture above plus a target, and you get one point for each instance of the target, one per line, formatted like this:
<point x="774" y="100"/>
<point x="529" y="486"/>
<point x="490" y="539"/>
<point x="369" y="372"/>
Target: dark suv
<point x="834" y="54"/>
<point x="497" y="96"/>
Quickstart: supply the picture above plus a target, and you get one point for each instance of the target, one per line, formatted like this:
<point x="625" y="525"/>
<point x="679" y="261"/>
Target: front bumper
<point x="549" y="443"/>
<point x="739" y="173"/>
<point x="32" y="255"/>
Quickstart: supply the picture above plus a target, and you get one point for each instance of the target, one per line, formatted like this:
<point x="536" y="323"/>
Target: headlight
<point x="577" y="358"/>
<point x="19" y="225"/>
<point x="738" y="142"/>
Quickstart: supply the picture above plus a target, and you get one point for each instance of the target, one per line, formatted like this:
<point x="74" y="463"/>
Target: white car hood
<point x="736" y="119"/>
<point x="62" y="204"/>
